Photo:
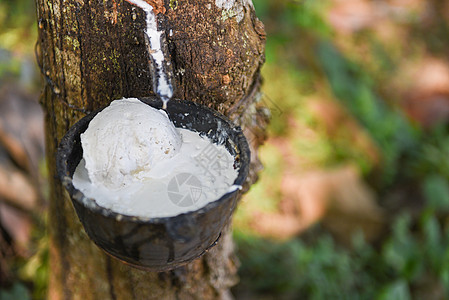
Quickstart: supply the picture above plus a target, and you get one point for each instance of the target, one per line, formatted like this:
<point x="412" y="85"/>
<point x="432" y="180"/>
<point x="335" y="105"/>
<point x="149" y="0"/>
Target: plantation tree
<point x="92" y="52"/>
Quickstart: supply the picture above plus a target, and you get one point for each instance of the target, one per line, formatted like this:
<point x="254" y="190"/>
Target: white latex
<point x="125" y="140"/>
<point x="153" y="197"/>
<point x="163" y="85"/>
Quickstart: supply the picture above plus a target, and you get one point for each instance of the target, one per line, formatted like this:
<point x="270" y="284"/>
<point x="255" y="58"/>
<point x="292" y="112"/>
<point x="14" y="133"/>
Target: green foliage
<point x="431" y="155"/>
<point x="303" y="14"/>
<point x="324" y="270"/>
<point x="301" y="43"/>
<point x="9" y="65"/>
<point x="18" y="34"/>
<point x="397" y="290"/>
<point x="308" y="15"/>
<point x="17" y="25"/>
<point x="291" y="26"/>
<point x="413" y="259"/>
<point x="294" y="268"/>
<point x="392" y="132"/>
<point x="36" y="270"/>
<point x="321" y="270"/>
<point x="436" y="191"/>
<point x="17" y="292"/>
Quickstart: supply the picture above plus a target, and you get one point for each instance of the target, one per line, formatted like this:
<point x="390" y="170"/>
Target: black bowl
<point x="165" y="243"/>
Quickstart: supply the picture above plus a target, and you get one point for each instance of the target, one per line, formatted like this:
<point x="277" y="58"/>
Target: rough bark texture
<point x="92" y="52"/>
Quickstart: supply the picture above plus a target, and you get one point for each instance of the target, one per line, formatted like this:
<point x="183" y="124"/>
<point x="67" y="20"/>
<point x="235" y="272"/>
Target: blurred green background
<point x="354" y="199"/>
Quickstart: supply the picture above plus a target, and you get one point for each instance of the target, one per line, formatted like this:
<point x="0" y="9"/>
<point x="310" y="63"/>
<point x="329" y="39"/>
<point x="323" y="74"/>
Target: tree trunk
<point x="92" y="52"/>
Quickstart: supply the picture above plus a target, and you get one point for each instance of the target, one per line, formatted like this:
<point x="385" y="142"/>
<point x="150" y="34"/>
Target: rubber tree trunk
<point x="92" y="52"/>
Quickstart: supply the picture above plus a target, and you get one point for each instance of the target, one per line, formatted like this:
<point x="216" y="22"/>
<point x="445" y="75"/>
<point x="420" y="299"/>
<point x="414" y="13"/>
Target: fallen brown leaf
<point x="16" y="189"/>
<point x="426" y="92"/>
<point x="21" y="127"/>
<point x="339" y="198"/>
<point x="18" y="225"/>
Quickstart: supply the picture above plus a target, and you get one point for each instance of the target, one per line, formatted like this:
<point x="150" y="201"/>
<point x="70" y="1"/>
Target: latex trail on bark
<point x="162" y="85"/>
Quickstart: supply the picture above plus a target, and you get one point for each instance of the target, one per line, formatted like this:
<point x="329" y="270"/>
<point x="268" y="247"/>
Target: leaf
<point x="436" y="191"/>
<point x="398" y="290"/>
<point x="17" y="292"/>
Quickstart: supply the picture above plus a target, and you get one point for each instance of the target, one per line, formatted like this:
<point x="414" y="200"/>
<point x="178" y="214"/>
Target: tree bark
<point x="92" y="52"/>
